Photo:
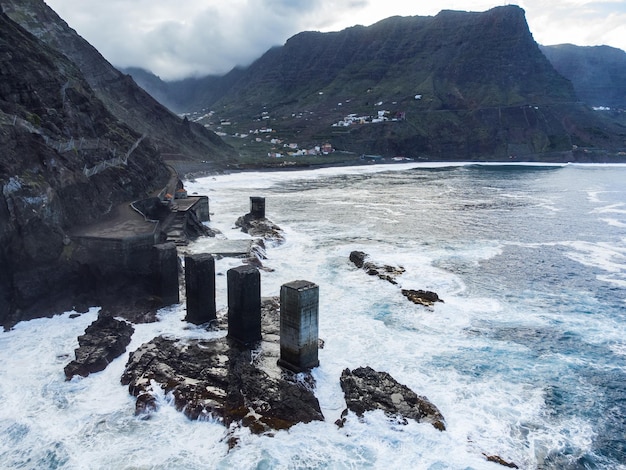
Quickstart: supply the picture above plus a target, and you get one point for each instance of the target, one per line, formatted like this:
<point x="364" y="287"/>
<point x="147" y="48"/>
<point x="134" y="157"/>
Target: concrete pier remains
<point x="257" y="207"/>
<point x="244" y="304"/>
<point x="200" y="288"/>
<point x="165" y="259"/>
<point x="299" y="325"/>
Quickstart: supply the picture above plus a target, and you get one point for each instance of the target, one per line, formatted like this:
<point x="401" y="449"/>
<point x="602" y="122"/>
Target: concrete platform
<point x="226" y="248"/>
<point x="122" y="222"/>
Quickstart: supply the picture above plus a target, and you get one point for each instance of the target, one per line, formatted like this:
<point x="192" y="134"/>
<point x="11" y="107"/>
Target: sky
<point x="176" y="39"/>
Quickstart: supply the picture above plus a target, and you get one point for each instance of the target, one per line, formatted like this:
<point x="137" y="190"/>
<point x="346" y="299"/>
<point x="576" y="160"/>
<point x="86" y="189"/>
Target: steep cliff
<point x="598" y="73"/>
<point x="54" y="131"/>
<point x="118" y="92"/>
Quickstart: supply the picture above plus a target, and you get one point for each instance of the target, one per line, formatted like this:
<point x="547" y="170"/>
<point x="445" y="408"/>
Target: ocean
<point x="525" y="358"/>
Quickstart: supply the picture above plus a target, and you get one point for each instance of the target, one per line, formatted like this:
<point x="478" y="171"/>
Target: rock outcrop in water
<point x="104" y="340"/>
<point x="385" y="272"/>
<point x="426" y="298"/>
<point x="225" y="380"/>
<point x="389" y="273"/>
<point x="367" y="390"/>
<point x="257" y="225"/>
<point x="260" y="227"/>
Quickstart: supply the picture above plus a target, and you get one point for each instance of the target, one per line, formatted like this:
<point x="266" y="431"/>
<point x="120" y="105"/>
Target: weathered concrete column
<point x="257" y="207"/>
<point x="299" y="325"/>
<point x="244" y="304"/>
<point x="202" y="210"/>
<point x="200" y="288"/>
<point x="165" y="263"/>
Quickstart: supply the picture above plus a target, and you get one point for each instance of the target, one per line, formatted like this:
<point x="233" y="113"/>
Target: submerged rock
<point x="383" y="271"/>
<point x="367" y="390"/>
<point x="222" y="379"/>
<point x="104" y="340"/>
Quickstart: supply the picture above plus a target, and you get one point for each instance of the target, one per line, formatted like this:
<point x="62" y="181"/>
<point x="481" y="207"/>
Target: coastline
<point x="189" y="170"/>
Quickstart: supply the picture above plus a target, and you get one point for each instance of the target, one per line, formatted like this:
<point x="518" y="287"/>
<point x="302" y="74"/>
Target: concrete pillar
<point x="165" y="262"/>
<point x="200" y="288"/>
<point x="202" y="210"/>
<point x="299" y="325"/>
<point x="257" y="207"/>
<point x="244" y="304"/>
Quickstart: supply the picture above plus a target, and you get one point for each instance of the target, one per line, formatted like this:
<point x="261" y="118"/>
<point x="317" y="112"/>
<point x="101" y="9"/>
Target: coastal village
<point x="280" y="147"/>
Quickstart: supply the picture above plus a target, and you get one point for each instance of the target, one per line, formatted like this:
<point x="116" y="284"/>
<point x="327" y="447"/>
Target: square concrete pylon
<point x="299" y="325"/>
<point x="200" y="288"/>
<point x="244" y="304"/>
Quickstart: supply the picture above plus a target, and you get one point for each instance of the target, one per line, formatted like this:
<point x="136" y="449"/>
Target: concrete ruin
<point x="200" y="288"/>
<point x="299" y="326"/>
<point x="257" y="207"/>
<point x="244" y="304"/>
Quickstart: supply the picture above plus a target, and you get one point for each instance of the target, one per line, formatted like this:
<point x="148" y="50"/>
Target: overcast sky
<point x="181" y="38"/>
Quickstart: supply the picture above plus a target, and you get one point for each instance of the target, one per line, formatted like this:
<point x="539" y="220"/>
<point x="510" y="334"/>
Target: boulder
<point x="367" y="390"/>
<point x="222" y="379"/>
<point x="104" y="340"/>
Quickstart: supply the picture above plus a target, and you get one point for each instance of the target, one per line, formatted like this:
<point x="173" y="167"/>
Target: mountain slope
<point x="458" y="59"/>
<point x="463" y="86"/>
<point x="53" y="129"/>
<point x="119" y="93"/>
<point x="598" y="73"/>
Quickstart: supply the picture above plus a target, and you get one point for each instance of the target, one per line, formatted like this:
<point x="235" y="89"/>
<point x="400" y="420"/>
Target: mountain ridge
<point x="119" y="93"/>
<point x="598" y="73"/>
<point x="53" y="129"/>
<point x="486" y="91"/>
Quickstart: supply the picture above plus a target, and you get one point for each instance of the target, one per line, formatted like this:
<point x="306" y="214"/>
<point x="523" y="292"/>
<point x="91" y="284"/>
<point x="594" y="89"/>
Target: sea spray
<point x="525" y="358"/>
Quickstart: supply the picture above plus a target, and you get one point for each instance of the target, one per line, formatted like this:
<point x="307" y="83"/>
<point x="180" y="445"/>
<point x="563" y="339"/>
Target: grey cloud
<point x="202" y="37"/>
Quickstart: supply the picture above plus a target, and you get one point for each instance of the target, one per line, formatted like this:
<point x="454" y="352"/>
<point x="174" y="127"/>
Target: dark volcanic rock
<point x="500" y="460"/>
<point x="104" y="340"/>
<point x="78" y="139"/>
<point x="53" y="128"/>
<point x="421" y="297"/>
<point x="260" y="227"/>
<point x="220" y="378"/>
<point x="366" y="390"/>
<point x="389" y="273"/>
<point x="385" y="272"/>
<point x="358" y="258"/>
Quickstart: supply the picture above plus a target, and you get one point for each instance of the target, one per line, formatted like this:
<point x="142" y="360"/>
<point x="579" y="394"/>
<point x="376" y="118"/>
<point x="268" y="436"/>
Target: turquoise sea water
<point x="526" y="358"/>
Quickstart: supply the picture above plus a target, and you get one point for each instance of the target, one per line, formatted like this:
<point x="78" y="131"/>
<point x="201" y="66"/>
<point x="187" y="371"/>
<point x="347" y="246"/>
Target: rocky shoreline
<point x="243" y="385"/>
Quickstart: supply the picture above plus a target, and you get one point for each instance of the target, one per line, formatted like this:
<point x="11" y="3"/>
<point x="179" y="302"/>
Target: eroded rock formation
<point x="260" y="227"/>
<point x="385" y="272"/>
<point x="421" y="297"/>
<point x="367" y="390"/>
<point x="220" y="378"/>
<point x="104" y="340"/>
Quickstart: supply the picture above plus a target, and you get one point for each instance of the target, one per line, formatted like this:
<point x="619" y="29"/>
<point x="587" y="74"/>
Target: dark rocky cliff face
<point x="118" y="92"/>
<point x="52" y="128"/>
